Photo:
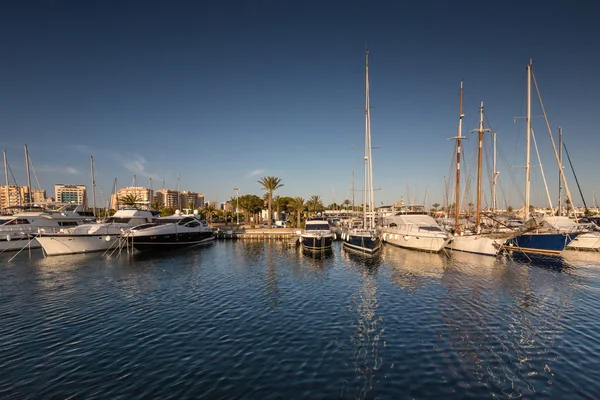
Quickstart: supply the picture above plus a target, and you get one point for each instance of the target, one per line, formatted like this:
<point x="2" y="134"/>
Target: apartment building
<point x="71" y="193"/>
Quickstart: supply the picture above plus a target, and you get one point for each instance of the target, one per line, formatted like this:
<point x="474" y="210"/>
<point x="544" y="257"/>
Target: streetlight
<point x="237" y="207"/>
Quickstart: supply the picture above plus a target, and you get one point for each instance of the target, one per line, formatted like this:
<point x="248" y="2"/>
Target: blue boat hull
<point x="314" y="243"/>
<point x="540" y="243"/>
<point x="363" y="244"/>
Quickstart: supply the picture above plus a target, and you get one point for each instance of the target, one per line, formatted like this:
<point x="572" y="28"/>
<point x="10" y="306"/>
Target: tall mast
<point x="27" y="169"/>
<point x="352" y="191"/>
<point x="560" y="166"/>
<point x="93" y="185"/>
<point x="479" y="164"/>
<point x="528" y="148"/>
<point x="116" y="195"/>
<point x="179" y="197"/>
<point x="494" y="181"/>
<point x="6" y="178"/>
<point x="366" y="158"/>
<point x="458" y="139"/>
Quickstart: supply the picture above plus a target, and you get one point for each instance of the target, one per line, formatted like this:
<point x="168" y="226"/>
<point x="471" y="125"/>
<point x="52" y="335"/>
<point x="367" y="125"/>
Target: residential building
<point x="17" y="196"/>
<point x="191" y="200"/>
<point x="168" y="198"/>
<point x="71" y="194"/>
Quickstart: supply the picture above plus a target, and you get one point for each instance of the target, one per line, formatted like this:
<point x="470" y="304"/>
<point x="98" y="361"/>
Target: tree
<point x="297" y="205"/>
<point x="314" y="203"/>
<point x="270" y="184"/>
<point x="435" y="206"/>
<point x="346" y="204"/>
<point x="156" y="204"/>
<point x="510" y="209"/>
<point x="129" y="199"/>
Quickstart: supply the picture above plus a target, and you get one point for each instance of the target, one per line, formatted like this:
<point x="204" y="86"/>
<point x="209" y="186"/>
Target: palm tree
<point x="270" y="184"/>
<point x="156" y="205"/>
<point x="297" y="205"/>
<point x="435" y="206"/>
<point x="277" y="203"/>
<point x="314" y="203"/>
<point x="129" y="199"/>
<point x="346" y="204"/>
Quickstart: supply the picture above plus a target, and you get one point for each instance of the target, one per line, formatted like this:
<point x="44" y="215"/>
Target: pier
<point x="234" y="233"/>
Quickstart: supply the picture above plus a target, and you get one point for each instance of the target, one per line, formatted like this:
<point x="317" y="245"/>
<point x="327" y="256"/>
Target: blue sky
<point x="224" y="93"/>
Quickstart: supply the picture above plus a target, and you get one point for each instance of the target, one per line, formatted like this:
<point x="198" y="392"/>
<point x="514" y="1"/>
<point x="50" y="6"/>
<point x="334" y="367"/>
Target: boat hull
<point x="476" y="244"/>
<point x="362" y="243"/>
<point x="316" y="243"/>
<point x="586" y="241"/>
<point x="169" y="241"/>
<point x="540" y="243"/>
<point x="430" y="244"/>
<point x="57" y="245"/>
<point x="17" y="241"/>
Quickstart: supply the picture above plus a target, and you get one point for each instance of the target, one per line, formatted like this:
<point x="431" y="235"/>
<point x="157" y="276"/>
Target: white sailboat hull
<point x="432" y="244"/>
<point x="476" y="244"/>
<point x="586" y="241"/>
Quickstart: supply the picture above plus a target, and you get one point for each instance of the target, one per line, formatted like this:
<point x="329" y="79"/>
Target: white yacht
<point x="98" y="236"/>
<point x="175" y="231"/>
<point x="411" y="227"/>
<point x="317" y="235"/>
<point x="19" y="229"/>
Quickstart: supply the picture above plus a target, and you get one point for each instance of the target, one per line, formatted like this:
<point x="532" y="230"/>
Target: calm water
<point x="263" y="321"/>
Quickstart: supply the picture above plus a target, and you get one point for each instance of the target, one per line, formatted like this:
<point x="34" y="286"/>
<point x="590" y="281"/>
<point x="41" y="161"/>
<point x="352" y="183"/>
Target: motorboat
<point x="172" y="232"/>
<point x="411" y="227"/>
<point x="20" y="229"/>
<point x="316" y="235"/>
<point x="93" y="237"/>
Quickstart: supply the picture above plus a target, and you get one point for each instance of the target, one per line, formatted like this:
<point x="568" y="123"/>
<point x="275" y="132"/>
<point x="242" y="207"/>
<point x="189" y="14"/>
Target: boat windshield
<point x="317" y="227"/>
<point x="118" y="220"/>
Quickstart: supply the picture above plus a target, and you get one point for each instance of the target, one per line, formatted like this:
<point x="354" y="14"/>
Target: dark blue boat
<point x="540" y="243"/>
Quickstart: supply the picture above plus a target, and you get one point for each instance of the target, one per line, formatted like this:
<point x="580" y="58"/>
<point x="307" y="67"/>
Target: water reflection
<point x="368" y="330"/>
<point x="501" y="324"/>
<point x="412" y="269"/>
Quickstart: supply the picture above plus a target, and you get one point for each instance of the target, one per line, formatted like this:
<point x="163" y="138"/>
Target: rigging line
<point x="541" y="167"/>
<point x="566" y="185"/>
<point x="21" y="200"/>
<point x="576" y="180"/>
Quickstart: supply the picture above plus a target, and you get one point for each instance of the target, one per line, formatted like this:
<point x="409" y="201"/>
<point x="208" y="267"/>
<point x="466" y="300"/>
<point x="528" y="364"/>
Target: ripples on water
<point x="260" y="320"/>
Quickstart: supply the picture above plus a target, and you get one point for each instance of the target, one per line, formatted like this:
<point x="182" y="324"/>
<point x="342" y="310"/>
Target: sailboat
<point x="473" y="241"/>
<point x="534" y="238"/>
<point x="365" y="238"/>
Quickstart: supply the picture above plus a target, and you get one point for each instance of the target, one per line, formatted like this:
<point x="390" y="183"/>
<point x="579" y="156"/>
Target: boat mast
<point x="560" y="165"/>
<point x="479" y="164"/>
<point x="6" y="178"/>
<point x="458" y="139"/>
<point x="93" y="186"/>
<point x="528" y="148"/>
<point x="28" y="174"/>
<point x="494" y="181"/>
<point x="366" y="157"/>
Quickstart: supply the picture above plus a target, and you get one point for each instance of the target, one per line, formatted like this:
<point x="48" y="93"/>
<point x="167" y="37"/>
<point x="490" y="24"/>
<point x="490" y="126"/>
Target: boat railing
<point x="413" y="228"/>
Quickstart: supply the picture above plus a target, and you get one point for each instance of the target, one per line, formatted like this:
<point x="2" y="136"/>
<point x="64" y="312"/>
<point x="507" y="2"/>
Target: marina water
<point x="261" y="320"/>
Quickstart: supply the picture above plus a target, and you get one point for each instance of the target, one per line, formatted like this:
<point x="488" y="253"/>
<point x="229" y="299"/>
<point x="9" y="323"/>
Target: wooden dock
<point x="285" y="234"/>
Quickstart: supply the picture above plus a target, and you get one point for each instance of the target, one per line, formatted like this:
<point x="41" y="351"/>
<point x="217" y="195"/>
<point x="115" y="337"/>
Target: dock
<point x="285" y="234"/>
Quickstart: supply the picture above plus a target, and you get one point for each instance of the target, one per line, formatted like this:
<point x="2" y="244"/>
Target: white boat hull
<point x="16" y="241"/>
<point x="586" y="241"/>
<point x="432" y="244"/>
<point x="57" y="245"/>
<point x="476" y="244"/>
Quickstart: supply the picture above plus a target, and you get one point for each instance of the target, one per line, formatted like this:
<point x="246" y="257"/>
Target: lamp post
<point x="237" y="206"/>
